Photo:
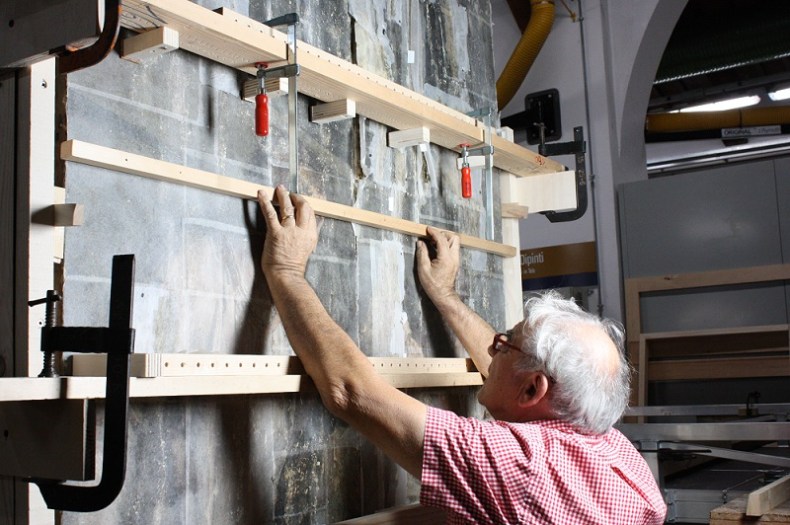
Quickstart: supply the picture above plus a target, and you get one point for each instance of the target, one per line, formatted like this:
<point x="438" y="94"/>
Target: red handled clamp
<point x="466" y="172"/>
<point x="261" y="104"/>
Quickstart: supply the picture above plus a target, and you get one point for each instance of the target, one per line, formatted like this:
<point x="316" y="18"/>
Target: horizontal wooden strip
<point x="733" y="276"/>
<point x="41" y="388"/>
<point x="734" y="330"/>
<point x="191" y="365"/>
<point x="103" y="157"/>
<point x="240" y="42"/>
<point x="764" y="499"/>
<point x="707" y="343"/>
<point x="726" y="368"/>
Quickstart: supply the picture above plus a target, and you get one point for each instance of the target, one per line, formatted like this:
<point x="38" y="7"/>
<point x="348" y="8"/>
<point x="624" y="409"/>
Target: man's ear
<point x="533" y="389"/>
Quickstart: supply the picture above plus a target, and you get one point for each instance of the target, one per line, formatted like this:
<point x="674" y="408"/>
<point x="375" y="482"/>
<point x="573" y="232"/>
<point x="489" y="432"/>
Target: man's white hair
<point x="588" y="392"/>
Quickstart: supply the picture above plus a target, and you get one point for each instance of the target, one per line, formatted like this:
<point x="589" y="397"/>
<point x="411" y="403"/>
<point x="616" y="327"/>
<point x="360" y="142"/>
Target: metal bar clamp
<point x="118" y="342"/>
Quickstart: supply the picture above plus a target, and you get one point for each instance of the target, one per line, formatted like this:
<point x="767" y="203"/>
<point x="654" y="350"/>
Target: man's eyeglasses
<point x="501" y="342"/>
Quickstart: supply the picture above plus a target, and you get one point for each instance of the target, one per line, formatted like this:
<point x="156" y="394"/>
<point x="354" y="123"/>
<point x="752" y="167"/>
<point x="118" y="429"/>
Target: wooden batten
<point x="408" y="137"/>
<point x="511" y="210"/>
<point x="734" y="513"/>
<point x="169" y="375"/>
<point x="240" y="42"/>
<point x="766" y="498"/>
<point x="275" y="87"/>
<point x="193" y="365"/>
<point x="547" y="192"/>
<point x="333" y="111"/>
<point x="124" y="162"/>
<point x="150" y="44"/>
<point x="68" y="214"/>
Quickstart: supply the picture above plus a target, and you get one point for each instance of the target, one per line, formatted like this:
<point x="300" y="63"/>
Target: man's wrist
<point x="447" y="302"/>
<point x="284" y="277"/>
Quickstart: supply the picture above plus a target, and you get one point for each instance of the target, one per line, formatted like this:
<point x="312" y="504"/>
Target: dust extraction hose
<point x="528" y="47"/>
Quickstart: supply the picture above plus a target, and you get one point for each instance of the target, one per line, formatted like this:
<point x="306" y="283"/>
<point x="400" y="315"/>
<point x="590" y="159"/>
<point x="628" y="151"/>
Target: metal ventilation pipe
<point x="540" y="21"/>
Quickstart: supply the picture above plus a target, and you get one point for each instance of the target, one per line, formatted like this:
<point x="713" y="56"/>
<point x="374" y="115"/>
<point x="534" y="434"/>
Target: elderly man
<point x="555" y="385"/>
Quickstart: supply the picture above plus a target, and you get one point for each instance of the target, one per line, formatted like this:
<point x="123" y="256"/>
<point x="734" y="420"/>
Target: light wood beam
<point x="240" y="42"/>
<point x="103" y="157"/>
<point x="191" y="365"/>
<point x="46" y="439"/>
<point x="41" y="388"/>
<point x="333" y="111"/>
<point x="766" y="498"/>
<point x="150" y="44"/>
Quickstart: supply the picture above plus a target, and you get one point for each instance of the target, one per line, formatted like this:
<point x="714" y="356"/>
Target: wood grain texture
<point x="240" y="42"/>
<point x="103" y="157"/>
<point x="764" y="499"/>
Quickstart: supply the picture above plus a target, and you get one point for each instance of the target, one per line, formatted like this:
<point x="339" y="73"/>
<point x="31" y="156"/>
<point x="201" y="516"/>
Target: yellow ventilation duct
<point x="540" y="21"/>
<point x="734" y="118"/>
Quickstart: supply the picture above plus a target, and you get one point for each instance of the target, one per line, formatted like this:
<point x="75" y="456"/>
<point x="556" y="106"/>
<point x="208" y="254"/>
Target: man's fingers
<point x="437" y="235"/>
<point x="304" y="212"/>
<point x="423" y="259"/>
<point x="267" y="209"/>
<point x="455" y="244"/>
<point x="282" y="197"/>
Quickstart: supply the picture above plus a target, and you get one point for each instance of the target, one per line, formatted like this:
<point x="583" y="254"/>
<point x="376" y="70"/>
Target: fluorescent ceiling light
<point x="780" y="94"/>
<point x="723" y="105"/>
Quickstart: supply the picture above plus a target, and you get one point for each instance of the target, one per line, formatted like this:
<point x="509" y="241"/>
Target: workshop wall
<point x="278" y="458"/>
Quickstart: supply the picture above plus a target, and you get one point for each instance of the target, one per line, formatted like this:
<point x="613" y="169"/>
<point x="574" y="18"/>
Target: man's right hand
<point x="438" y="275"/>
<point x="291" y="235"/>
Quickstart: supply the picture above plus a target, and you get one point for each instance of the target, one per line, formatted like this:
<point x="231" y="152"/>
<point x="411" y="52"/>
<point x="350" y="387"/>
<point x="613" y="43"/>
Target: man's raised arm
<point x="437" y="277"/>
<point x="348" y="384"/>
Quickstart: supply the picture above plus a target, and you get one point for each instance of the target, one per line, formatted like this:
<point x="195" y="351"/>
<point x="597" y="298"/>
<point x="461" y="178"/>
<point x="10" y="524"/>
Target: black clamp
<point x="577" y="147"/>
<point x="96" y="52"/>
<point x="292" y="68"/>
<point x="117" y="340"/>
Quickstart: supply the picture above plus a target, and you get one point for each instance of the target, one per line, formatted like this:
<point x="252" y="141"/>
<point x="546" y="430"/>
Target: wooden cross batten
<point x="240" y="42"/>
<point x="109" y="158"/>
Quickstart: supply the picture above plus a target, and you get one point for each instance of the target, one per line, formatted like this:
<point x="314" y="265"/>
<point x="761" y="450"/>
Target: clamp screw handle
<point x="48" y="369"/>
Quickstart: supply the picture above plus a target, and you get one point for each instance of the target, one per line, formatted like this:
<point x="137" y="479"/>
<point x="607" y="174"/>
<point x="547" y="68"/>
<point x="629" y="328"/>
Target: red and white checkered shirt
<point x="541" y="472"/>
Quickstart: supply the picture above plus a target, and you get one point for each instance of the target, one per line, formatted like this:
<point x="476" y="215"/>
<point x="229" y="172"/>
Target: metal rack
<point x="703" y="456"/>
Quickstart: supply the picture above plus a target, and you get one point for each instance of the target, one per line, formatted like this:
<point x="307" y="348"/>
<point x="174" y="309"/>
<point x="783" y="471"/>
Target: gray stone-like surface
<point x="279" y="459"/>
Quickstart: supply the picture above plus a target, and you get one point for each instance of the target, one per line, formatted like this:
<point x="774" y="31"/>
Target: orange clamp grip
<point x="466" y="182"/>
<point x="261" y="115"/>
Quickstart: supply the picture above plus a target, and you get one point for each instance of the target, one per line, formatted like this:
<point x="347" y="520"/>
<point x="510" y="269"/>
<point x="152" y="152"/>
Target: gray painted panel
<point x="724" y="217"/>
<point x="272" y="459"/>
<point x="720" y="391"/>
<point x="701" y="309"/>
<point x="721" y="218"/>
